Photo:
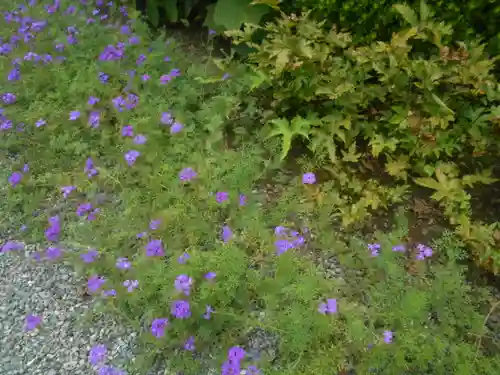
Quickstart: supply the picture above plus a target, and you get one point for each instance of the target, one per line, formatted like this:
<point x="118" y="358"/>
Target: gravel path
<point x="61" y="343"/>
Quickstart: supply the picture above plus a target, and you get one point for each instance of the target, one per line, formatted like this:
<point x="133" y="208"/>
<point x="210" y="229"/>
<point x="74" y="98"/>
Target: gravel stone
<point x="60" y="345"/>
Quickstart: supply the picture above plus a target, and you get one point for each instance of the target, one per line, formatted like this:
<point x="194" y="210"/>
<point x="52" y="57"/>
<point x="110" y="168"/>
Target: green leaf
<point x="171" y="10"/>
<point x="441" y="103"/>
<point x="153" y="13"/>
<point x="407" y="13"/>
<point x="428" y="183"/>
<point x="254" y="13"/>
<point x="230" y="13"/>
<point x="425" y="12"/>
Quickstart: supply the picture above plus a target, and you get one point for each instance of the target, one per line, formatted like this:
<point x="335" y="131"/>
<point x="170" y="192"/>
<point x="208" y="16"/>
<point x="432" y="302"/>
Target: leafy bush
<point x="121" y="164"/>
<point x="370" y="21"/>
<point x="411" y="107"/>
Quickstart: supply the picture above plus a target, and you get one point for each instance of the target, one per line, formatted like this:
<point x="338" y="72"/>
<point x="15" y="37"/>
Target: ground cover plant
<point x="132" y="160"/>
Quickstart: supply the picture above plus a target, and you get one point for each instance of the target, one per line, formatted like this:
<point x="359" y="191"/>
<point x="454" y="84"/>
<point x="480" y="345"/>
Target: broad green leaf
<point x="407" y="13"/>
<point x="153" y="12"/>
<point x="171" y="10"/>
<point x="230" y="14"/>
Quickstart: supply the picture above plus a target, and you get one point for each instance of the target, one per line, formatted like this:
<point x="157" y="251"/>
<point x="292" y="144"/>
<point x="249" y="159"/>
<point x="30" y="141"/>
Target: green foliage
<point x="218" y="15"/>
<point x="369" y="21"/>
<point x="413" y="106"/>
<point x="436" y="317"/>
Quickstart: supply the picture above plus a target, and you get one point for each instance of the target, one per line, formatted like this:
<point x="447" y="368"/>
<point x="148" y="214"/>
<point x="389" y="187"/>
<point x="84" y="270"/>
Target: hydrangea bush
<point x="124" y="161"/>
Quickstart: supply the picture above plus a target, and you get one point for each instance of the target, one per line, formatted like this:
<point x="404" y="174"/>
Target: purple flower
<point x="54" y="229"/>
<point x="231" y="368"/>
<point x="158" y="327"/>
<point x="423" y="252"/>
<point x="175" y="73"/>
<point x="131" y="156"/>
<point x="183" y="258"/>
<point x="40" y="123"/>
<point x="154" y="224"/>
<point x="123" y="264"/>
<point x="253" y="370"/>
<point x="154" y="248"/>
<point x="183" y="284"/>
<point x="89" y="256"/>
<point x="93" y="100"/>
<point x="211" y="32"/>
<point x="146" y="77"/>
<point x="221" y="196"/>
<point x="236" y="354"/>
<point x="131" y="285"/>
<point x="103" y="77"/>
<point x="109" y="370"/>
<point x="374" y="248"/>
<point x="95" y="282"/>
<point x="176" y="127"/>
<point x="164" y="79"/>
<point x="26" y="168"/>
<point x="97" y="354"/>
<point x="187" y="174"/>
<point x="94" y="119"/>
<point x="308" y="178"/>
<point x="12" y="246"/>
<point x="227" y="234"/>
<point x="282" y="246"/>
<point x="74" y="115"/>
<point x="9" y="98"/>
<point x="208" y="312"/>
<point x="90" y="168"/>
<point x="180" y="309"/>
<point x="226" y="76"/>
<point x="388" y="337"/>
<point x="66" y="190"/>
<point x="141" y="235"/>
<point x="167" y="59"/>
<point x="32" y="321"/>
<point x="330" y="307"/>
<point x="128" y="131"/>
<point x="166" y="118"/>
<point x="109" y="293"/>
<point x="189" y="344"/>
<point x="93" y="214"/>
<point x="125" y="29"/>
<point x="83" y="208"/>
<point x="15" y="178"/>
<point x="399" y="248"/>
<point x="243" y="200"/>
<point x="53" y="253"/>
<point x="210" y="275"/>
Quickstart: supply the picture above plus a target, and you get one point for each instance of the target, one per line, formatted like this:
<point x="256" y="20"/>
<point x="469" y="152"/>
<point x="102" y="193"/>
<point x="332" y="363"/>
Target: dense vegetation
<point x="210" y="201"/>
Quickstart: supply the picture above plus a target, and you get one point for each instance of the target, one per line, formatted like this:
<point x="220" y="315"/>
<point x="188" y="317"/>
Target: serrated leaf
<point x="425" y="11"/>
<point x="428" y="183"/>
<point x="441" y="103"/>
<point x="407" y="13"/>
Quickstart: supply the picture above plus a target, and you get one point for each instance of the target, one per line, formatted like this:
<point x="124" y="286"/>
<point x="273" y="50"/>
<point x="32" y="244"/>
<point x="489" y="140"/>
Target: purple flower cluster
<point x="54" y="229"/>
<point x="232" y="366"/>
<point x="97" y="357"/>
<point x="287" y="239"/>
<point x="423" y="252"/>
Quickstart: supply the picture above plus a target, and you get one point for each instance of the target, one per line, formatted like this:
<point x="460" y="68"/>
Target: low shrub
<point x="412" y="108"/>
<point x="370" y="21"/>
<point x="121" y="163"/>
